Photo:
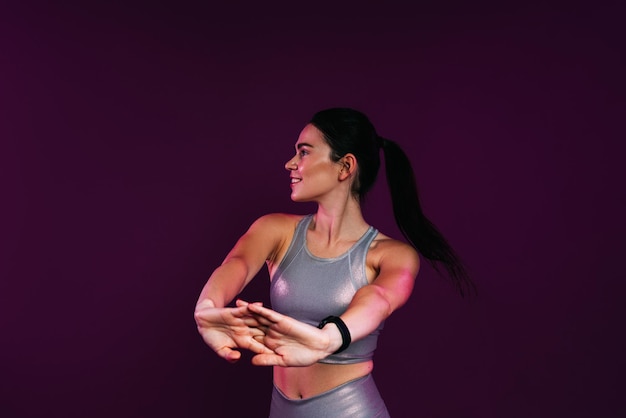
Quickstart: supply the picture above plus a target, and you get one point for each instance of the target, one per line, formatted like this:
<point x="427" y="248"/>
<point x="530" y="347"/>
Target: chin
<point x="296" y="198"/>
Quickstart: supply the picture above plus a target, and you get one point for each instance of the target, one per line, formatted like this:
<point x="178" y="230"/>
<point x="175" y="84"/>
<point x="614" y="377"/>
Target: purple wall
<point x="138" y="143"/>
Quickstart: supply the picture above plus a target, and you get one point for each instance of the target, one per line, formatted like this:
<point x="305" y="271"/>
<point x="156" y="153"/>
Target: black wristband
<point x="343" y="330"/>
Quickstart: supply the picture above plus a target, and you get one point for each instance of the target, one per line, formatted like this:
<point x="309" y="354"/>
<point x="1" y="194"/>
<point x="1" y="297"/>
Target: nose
<point x="291" y="164"/>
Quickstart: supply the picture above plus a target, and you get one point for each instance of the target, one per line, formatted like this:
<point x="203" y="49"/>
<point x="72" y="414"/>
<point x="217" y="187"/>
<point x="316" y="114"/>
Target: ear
<point x="348" y="166"/>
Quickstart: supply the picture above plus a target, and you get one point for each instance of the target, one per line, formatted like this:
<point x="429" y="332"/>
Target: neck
<point x="343" y="220"/>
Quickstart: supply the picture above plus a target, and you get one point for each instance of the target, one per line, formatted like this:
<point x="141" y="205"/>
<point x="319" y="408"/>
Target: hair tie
<point x="382" y="142"/>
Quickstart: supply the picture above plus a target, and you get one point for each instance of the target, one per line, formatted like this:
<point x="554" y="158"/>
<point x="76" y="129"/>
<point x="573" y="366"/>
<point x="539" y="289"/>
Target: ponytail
<point x="350" y="131"/>
<point x="416" y="228"/>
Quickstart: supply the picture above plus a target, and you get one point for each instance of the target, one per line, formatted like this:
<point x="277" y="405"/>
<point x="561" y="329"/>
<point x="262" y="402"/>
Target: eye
<point x="303" y="152"/>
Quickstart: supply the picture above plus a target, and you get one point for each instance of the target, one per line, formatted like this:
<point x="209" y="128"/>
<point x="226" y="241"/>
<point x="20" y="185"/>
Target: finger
<point x="239" y="312"/>
<point x="228" y="354"/>
<point x="262" y="321"/>
<point x="257" y="332"/>
<point x="241" y="302"/>
<point x="258" y="347"/>
<point x="253" y="322"/>
<point x="265" y="312"/>
<point x="270" y="359"/>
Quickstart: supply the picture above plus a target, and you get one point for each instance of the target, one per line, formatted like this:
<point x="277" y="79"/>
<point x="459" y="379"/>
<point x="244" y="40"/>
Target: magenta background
<point x="138" y="142"/>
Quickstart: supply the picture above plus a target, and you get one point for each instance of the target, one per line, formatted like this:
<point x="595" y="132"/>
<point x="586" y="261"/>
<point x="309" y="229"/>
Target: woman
<point x="334" y="278"/>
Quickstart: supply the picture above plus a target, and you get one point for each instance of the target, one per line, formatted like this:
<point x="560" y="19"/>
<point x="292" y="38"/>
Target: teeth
<point x="295" y="180"/>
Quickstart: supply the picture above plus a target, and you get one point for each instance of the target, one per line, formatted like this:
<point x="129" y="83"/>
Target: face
<point x="313" y="174"/>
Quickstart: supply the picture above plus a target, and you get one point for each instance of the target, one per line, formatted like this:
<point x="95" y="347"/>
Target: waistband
<point x="327" y="393"/>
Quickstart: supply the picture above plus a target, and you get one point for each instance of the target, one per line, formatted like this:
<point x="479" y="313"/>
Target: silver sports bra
<point x="310" y="288"/>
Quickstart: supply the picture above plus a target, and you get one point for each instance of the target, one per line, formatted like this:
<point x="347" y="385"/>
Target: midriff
<point x="305" y="382"/>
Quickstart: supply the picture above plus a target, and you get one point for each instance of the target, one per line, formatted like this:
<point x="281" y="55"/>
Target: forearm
<point x="368" y="309"/>
<point x="244" y="261"/>
<point x="226" y="282"/>
<point x="373" y="303"/>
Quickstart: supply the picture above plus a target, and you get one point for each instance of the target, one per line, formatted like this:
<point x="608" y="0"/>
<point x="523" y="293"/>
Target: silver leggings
<point x="357" y="398"/>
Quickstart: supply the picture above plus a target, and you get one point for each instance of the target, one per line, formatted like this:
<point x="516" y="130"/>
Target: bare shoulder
<point x="278" y="228"/>
<point x="276" y="222"/>
<point x="392" y="252"/>
<point x="396" y="266"/>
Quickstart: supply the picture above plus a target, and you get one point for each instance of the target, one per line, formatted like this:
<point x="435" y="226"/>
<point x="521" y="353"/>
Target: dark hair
<point x="350" y="131"/>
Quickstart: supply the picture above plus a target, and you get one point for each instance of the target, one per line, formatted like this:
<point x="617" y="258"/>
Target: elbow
<point x="390" y="301"/>
<point x="383" y="303"/>
<point x="388" y="308"/>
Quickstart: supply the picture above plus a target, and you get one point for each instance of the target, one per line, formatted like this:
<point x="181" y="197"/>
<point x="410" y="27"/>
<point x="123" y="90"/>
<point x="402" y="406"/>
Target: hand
<point x="292" y="343"/>
<point x="227" y="329"/>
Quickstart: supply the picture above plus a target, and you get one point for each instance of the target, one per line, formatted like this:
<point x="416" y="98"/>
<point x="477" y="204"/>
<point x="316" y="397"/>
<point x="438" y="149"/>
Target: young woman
<point x="334" y="278"/>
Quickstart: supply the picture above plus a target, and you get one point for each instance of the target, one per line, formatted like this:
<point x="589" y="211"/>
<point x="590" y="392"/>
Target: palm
<point x="227" y="329"/>
<point x="293" y="343"/>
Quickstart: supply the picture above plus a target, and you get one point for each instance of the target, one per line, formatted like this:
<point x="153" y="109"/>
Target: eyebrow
<point x="304" y="144"/>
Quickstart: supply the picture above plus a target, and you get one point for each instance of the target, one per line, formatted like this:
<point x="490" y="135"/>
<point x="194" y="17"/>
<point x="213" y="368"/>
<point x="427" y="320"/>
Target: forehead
<point x="311" y="135"/>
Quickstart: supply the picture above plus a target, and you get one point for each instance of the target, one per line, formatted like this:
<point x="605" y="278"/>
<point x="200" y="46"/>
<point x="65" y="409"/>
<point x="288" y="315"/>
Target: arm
<point x="225" y="329"/>
<point x="297" y="344"/>
<point x="260" y="243"/>
<point x="372" y="304"/>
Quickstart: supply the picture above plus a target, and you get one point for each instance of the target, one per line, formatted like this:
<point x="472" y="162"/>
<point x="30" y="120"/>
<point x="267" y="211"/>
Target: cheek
<point x="322" y="168"/>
